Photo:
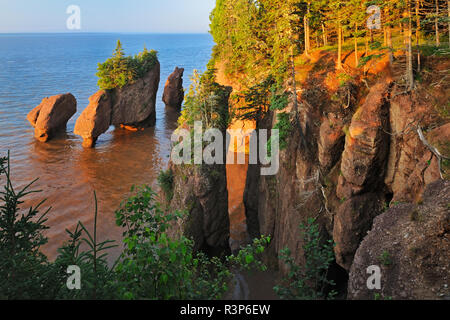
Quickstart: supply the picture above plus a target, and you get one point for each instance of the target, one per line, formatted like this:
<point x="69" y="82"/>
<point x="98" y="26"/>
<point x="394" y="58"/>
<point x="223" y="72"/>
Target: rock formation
<point x="363" y="163"/>
<point x="51" y="115"/>
<point x="366" y="146"/>
<point x="353" y="152"/>
<point x="95" y="119"/>
<point x="411" y="245"/>
<point x="201" y="191"/>
<point x="173" y="90"/>
<point x="132" y="106"/>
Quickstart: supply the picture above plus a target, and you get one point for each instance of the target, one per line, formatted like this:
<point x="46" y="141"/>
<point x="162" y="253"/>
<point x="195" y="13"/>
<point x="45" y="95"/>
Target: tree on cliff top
<point x="120" y="70"/>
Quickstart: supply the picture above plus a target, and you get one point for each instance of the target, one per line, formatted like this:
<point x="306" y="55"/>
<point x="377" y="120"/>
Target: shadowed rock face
<point x="173" y="91"/>
<point x="130" y="107"/>
<point x="201" y="191"/>
<point x="411" y="245"/>
<point x="352" y="163"/>
<point x="51" y="115"/>
<point x="331" y="141"/>
<point x="351" y="223"/>
<point x="134" y="104"/>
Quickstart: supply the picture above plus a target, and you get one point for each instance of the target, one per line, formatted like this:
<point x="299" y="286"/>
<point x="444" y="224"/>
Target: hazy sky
<point x="171" y="16"/>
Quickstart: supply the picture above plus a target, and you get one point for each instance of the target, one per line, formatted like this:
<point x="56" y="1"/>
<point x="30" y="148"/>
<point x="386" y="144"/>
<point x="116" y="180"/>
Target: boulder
<point x="95" y="119"/>
<point x="173" y="90"/>
<point x="411" y="245"/>
<point x="134" y="104"/>
<point x="51" y="115"/>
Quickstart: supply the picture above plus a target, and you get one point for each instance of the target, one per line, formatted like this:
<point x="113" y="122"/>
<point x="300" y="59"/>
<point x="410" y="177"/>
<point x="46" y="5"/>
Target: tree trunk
<point x="339" y="61"/>
<point x="389" y="44"/>
<point x="418" y="35"/>
<point x="306" y="35"/>
<point x="356" y="46"/>
<point x="409" y="62"/>
<point x="436" y="24"/>
<point x="448" y="4"/>
<point x="324" y="32"/>
<point x="388" y="34"/>
<point x="307" y="31"/>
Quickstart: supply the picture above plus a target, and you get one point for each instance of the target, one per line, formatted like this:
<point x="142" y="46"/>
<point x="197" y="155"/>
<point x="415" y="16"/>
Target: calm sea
<point x="33" y="66"/>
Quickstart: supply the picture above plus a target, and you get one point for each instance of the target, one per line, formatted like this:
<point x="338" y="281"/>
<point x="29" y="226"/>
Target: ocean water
<point x="33" y="66"/>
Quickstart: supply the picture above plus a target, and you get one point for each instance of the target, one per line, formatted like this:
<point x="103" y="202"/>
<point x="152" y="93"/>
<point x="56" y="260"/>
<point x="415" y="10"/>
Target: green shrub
<point x="284" y="128"/>
<point x="257" y="100"/>
<point x="97" y="278"/>
<point x="165" y="181"/>
<point x="206" y="101"/>
<point x="24" y="270"/>
<point x="310" y="281"/>
<point x="278" y="101"/>
<point x="119" y="71"/>
<point x="385" y="258"/>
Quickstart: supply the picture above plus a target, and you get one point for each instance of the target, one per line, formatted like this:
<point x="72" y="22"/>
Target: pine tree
<point x="118" y="52"/>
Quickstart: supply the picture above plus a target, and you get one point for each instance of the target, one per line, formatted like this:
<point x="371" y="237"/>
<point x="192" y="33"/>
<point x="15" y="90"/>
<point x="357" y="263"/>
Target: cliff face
<point x="352" y="151"/>
<point x="200" y="190"/>
<point x="411" y="245"/>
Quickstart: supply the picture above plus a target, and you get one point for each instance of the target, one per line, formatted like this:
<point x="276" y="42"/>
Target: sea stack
<point x="51" y="115"/>
<point x="95" y="119"/>
<point x="173" y="90"/>
<point x="130" y="107"/>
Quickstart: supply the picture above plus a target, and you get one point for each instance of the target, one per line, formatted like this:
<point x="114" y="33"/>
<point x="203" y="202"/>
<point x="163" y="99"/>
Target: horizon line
<point x="102" y="32"/>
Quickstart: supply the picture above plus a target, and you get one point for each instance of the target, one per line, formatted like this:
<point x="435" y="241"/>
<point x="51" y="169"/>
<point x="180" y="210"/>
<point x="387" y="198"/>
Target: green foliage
<point x="119" y="71"/>
<point x="367" y="59"/>
<point x="96" y="276"/>
<point x="284" y="126"/>
<point x="152" y="265"/>
<point x="308" y="282"/>
<point x="378" y="296"/>
<point x="24" y="271"/>
<point x="257" y="100"/>
<point x="206" y="101"/>
<point x="255" y="38"/>
<point x="436" y="51"/>
<point x="385" y="258"/>
<point x="278" y="101"/>
<point x="248" y="257"/>
<point x="165" y="181"/>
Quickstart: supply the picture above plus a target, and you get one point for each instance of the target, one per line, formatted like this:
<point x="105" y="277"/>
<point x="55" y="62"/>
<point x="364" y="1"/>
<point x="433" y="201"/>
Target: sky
<point x="152" y="16"/>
